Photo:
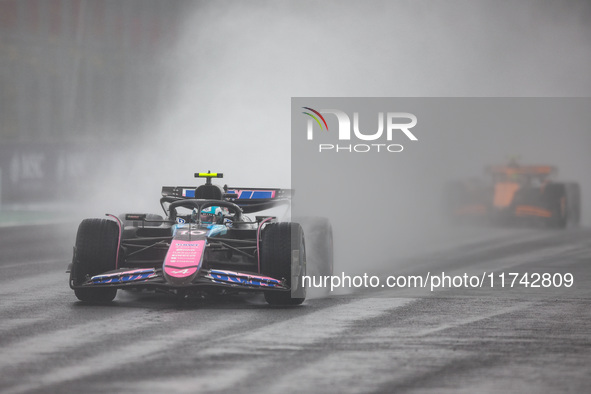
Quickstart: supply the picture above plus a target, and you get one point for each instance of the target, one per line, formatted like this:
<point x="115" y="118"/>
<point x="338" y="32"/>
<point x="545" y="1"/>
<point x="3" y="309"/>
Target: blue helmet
<point x="212" y="215"/>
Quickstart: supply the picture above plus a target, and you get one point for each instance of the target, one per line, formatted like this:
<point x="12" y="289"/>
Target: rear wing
<point x="250" y="199"/>
<point x="522" y="170"/>
<point x="178" y="191"/>
<point x="253" y="199"/>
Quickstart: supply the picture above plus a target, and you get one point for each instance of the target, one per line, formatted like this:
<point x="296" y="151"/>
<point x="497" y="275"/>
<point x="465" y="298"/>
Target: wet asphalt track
<point x="396" y="340"/>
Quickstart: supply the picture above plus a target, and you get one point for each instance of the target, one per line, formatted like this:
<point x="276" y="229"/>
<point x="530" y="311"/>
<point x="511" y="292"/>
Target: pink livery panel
<point x="183" y="259"/>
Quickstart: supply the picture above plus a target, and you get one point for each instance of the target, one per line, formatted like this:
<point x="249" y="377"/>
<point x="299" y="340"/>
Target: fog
<point x="238" y="65"/>
<point x="227" y="75"/>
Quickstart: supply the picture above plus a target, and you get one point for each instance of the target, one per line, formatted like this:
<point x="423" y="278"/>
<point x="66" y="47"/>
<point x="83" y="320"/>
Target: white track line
<point x="470" y="320"/>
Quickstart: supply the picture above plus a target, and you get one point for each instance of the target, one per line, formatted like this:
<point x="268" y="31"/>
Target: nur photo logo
<point x="391" y="125"/>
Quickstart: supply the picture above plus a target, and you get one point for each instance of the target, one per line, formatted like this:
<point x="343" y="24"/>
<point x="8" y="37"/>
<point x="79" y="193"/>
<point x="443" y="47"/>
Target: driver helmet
<point x="212" y="215"/>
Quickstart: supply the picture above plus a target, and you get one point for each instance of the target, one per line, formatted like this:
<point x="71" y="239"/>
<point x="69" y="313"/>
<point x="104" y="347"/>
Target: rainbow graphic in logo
<point x="315" y="118"/>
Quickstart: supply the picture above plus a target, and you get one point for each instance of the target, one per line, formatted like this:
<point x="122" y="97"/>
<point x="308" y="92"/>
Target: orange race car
<point x="517" y="195"/>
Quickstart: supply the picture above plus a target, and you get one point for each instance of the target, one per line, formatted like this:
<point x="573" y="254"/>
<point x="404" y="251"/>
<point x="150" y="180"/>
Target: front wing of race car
<point x="154" y="278"/>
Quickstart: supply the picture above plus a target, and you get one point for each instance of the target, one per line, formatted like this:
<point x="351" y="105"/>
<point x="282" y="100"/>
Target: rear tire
<point x="96" y="252"/>
<point x="573" y="196"/>
<point x="283" y="256"/>
<point x="319" y="245"/>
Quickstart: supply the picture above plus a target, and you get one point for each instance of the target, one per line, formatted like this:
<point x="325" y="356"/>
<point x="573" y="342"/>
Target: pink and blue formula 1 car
<point x="206" y="244"/>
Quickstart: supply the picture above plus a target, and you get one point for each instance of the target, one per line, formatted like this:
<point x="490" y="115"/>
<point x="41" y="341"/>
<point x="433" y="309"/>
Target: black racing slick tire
<point x="96" y="249"/>
<point x="283" y="256"/>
